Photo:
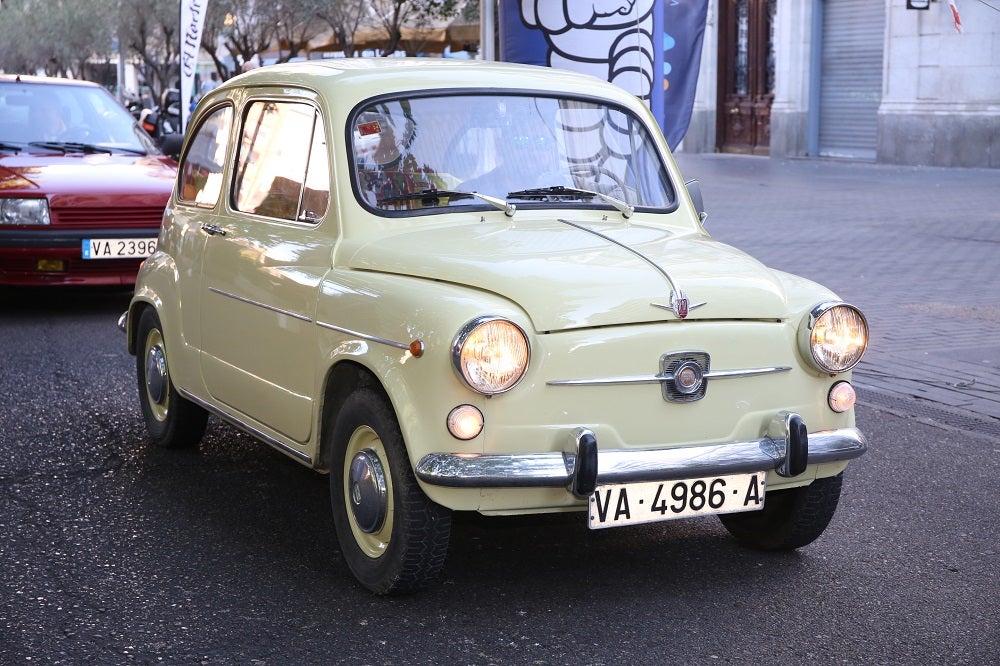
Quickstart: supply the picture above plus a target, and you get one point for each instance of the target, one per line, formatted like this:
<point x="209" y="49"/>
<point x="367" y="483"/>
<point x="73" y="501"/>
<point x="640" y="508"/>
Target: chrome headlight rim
<point x="463" y="336"/>
<point x="808" y="326"/>
<point x="14" y="213"/>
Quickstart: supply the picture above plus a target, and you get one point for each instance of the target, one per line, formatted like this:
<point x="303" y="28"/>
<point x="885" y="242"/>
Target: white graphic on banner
<point x="609" y="39"/>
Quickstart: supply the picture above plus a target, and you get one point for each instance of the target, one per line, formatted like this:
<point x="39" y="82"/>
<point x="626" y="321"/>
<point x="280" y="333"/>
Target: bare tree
<point x="344" y="18"/>
<point x="298" y="22"/>
<point x="392" y="15"/>
<point x="73" y="37"/>
<point x="247" y="28"/>
<point x="149" y="33"/>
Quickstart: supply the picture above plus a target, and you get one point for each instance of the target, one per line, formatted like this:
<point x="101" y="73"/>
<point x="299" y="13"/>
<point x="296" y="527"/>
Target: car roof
<point x="359" y="78"/>
<point x="46" y="80"/>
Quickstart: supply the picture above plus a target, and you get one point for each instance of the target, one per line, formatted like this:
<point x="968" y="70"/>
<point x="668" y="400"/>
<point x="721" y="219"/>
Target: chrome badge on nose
<point x="684" y="376"/>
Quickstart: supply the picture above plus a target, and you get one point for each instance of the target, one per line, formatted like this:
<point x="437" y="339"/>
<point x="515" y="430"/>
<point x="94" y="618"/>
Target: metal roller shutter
<point x="851" y="77"/>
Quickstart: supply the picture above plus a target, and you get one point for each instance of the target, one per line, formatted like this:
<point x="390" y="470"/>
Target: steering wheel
<point x="598" y="174"/>
<point x="79" y="133"/>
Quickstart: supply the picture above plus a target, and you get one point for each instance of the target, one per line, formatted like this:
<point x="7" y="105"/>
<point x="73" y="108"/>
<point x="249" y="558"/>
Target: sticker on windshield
<point x="367" y="129"/>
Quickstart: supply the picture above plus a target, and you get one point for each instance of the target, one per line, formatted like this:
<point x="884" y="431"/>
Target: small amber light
<point x="465" y="422"/>
<point x="842" y="397"/>
<point x="50" y="265"/>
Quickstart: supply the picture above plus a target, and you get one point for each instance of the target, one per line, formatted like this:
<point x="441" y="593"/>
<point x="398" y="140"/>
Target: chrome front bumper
<point x="787" y="449"/>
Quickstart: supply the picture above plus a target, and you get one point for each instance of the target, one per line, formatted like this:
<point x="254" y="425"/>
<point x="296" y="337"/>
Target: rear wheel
<point x="790" y="518"/>
<point x="171" y="421"/>
<point x="393" y="537"/>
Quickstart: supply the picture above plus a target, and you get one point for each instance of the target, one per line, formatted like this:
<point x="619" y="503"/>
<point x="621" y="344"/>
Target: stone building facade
<point x="858" y="79"/>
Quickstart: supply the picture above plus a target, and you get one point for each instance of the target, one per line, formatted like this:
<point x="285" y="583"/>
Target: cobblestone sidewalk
<point x="916" y="248"/>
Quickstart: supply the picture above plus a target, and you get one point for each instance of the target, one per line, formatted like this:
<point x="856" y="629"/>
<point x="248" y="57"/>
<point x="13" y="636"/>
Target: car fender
<point x="371" y="319"/>
<point x="157" y="287"/>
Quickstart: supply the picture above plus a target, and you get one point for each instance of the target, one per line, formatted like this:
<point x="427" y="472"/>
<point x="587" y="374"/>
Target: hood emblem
<point x="680" y="305"/>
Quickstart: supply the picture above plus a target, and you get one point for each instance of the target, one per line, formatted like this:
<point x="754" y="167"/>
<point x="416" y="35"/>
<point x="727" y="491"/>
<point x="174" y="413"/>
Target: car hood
<point x="89" y="180"/>
<point x="567" y="277"/>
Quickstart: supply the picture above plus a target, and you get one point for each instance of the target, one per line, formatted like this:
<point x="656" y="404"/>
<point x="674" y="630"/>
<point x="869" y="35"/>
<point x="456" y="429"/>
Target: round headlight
<point x="491" y="355"/>
<point x="836" y="335"/>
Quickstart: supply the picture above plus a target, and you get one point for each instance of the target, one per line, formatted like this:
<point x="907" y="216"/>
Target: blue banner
<point x="683" y="34"/>
<point x="652" y="48"/>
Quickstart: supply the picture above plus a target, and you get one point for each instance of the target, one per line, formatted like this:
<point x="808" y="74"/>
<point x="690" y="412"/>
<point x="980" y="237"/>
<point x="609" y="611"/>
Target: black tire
<point x="393" y="537"/>
<point x="790" y="518"/>
<point x="171" y="421"/>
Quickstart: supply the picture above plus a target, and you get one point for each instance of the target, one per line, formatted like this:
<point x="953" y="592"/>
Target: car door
<point x="195" y="209"/>
<point x="262" y="266"/>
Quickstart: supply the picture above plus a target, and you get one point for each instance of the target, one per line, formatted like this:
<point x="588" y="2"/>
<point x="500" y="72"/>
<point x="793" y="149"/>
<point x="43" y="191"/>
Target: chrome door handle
<point x="213" y="229"/>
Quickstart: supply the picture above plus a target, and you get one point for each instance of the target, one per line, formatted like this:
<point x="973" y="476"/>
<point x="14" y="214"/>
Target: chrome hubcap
<point x="156" y="374"/>
<point x="367" y="491"/>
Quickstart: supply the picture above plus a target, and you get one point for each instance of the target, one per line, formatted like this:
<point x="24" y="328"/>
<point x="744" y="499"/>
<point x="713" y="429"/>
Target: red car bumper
<point x="31" y="258"/>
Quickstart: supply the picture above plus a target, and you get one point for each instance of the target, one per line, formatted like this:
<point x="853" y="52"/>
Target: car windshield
<point x="428" y="153"/>
<point x="49" y="117"/>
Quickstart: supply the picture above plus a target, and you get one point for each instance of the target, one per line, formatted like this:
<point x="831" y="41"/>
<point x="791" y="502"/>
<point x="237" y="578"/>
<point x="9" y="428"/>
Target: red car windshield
<point x="40" y="116"/>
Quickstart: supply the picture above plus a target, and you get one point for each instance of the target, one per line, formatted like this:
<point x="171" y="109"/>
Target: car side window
<point x="282" y="169"/>
<point x="201" y="169"/>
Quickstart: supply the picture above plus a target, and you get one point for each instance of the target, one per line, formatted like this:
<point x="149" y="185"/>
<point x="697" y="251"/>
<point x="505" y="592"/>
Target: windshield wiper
<point x="557" y="192"/>
<point x="10" y="146"/>
<point x="431" y="197"/>
<point x="70" y="146"/>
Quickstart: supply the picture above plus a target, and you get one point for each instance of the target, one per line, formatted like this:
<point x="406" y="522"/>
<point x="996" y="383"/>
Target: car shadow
<point x="57" y="300"/>
<point x="240" y="497"/>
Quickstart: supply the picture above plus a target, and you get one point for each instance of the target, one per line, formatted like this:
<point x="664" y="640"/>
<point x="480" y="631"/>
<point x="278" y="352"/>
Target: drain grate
<point x="967" y="421"/>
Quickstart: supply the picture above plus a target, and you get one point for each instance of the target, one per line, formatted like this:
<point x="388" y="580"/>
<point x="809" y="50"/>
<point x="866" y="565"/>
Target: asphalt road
<point x="112" y="551"/>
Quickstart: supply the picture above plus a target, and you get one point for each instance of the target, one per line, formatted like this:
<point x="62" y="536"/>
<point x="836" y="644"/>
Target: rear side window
<point x="201" y="170"/>
<point x="282" y="170"/>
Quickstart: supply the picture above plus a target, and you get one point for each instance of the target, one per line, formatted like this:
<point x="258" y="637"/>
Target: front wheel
<point x="790" y="518"/>
<point x="393" y="537"/>
<point x="171" y="421"/>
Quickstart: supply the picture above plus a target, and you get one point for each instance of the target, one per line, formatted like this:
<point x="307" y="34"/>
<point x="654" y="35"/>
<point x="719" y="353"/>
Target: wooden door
<point x="746" y="76"/>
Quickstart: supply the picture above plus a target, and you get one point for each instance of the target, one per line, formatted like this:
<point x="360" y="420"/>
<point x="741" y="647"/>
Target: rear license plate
<point x="636" y="503"/>
<point x="118" y="248"/>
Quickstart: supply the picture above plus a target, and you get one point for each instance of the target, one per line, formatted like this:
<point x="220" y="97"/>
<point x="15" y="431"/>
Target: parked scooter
<point x="163" y="123"/>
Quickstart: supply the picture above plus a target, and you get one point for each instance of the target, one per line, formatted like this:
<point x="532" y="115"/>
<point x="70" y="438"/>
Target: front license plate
<point x="118" y="248"/>
<point x="636" y="503"/>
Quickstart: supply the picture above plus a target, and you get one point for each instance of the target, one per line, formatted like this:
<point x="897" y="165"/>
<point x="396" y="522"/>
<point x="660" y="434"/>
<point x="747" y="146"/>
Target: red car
<point x="82" y="186"/>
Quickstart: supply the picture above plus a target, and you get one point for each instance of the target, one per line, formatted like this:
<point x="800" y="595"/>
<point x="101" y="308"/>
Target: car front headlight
<point x="491" y="354"/>
<point x="834" y="337"/>
<point x="24" y="211"/>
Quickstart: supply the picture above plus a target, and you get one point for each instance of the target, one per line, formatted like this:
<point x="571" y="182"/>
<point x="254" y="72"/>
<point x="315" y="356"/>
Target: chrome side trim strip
<point x="249" y="301"/>
<point x="364" y="336"/>
<point x="247" y="428"/>
<point x="295" y="315"/>
<point x="656" y="379"/>
<point x="748" y="372"/>
<point x="546" y="470"/>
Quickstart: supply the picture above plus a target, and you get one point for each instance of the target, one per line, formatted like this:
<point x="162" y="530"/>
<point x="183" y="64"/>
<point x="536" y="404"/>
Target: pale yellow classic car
<point x="468" y="286"/>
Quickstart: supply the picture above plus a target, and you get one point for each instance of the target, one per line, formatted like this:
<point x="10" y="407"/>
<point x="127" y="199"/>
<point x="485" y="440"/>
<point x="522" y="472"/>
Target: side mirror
<point x="171" y="145"/>
<point x="694" y="191"/>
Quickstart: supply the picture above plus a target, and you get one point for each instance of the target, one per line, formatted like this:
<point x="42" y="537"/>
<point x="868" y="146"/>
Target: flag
<point x="955" y="16"/>
<point x="683" y="32"/>
<point x="192" y="23"/>
<point x="651" y="48"/>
